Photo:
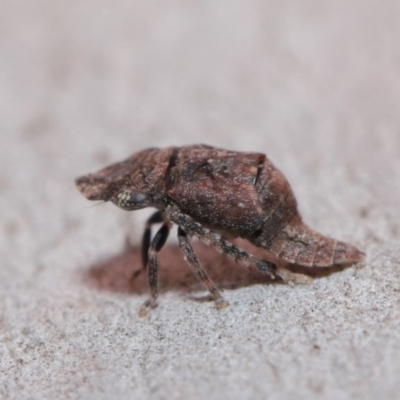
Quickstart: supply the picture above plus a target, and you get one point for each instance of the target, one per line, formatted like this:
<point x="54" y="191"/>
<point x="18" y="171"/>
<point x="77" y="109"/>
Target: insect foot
<point x="292" y="278"/>
<point x="221" y="303"/>
<point x="216" y="195"/>
<point x="146" y="307"/>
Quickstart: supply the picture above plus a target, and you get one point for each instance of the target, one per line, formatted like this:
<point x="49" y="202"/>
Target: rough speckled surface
<point x="314" y="84"/>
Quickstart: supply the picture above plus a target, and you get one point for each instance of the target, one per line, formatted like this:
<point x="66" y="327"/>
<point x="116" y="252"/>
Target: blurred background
<point x="314" y="84"/>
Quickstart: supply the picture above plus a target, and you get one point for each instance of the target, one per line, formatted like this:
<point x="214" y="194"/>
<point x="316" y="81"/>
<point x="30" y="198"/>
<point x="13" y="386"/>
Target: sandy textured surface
<point x="314" y="84"/>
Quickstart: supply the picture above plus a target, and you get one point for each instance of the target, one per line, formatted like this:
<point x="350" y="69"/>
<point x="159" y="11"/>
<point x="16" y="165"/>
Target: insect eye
<point x="132" y="200"/>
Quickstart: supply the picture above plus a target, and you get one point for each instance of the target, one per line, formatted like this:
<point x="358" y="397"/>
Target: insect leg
<point x="156" y="218"/>
<point x="198" y="270"/>
<point x="152" y="267"/>
<point x="192" y="227"/>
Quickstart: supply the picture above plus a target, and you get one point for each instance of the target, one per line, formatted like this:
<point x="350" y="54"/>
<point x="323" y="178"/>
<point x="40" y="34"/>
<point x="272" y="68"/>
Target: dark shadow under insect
<point x="217" y="195"/>
<point x="115" y="273"/>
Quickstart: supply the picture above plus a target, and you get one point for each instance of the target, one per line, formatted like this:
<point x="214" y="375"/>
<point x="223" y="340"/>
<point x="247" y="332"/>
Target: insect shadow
<point x="114" y="274"/>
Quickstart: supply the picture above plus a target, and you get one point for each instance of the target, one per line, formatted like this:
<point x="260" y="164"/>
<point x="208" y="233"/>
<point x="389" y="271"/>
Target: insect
<point x="216" y="195"/>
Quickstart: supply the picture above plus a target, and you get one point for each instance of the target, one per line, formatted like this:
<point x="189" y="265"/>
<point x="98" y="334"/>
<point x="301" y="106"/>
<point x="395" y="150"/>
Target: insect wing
<point x="217" y="189"/>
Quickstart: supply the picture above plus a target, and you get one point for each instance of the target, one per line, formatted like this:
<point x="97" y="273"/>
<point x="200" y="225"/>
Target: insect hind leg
<point x="198" y="270"/>
<point x="192" y="227"/>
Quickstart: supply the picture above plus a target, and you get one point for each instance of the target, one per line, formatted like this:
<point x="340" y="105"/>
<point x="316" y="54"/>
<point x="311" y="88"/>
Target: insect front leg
<point x="156" y="218"/>
<point x="152" y="267"/>
<point x="192" y="227"/>
<point x="198" y="270"/>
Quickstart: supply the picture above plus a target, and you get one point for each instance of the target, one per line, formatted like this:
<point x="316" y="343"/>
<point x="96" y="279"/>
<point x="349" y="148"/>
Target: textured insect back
<point x="216" y="188"/>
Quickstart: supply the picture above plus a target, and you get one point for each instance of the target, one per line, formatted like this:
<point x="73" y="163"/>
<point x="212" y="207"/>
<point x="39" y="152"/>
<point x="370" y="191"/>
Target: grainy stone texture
<point x="314" y="84"/>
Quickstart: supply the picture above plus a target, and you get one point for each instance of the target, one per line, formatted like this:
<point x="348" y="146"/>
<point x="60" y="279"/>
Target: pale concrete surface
<point x="314" y="84"/>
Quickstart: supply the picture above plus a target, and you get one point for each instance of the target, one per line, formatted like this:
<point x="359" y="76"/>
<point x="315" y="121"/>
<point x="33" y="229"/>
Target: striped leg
<point x="152" y="267"/>
<point x="156" y="218"/>
<point x="198" y="270"/>
<point x="223" y="246"/>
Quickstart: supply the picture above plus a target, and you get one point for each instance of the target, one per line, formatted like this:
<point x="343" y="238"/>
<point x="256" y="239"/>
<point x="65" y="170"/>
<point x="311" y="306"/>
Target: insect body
<point x="216" y="195"/>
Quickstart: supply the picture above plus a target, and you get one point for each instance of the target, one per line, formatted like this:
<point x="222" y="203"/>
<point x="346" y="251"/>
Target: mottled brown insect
<point x="216" y="195"/>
